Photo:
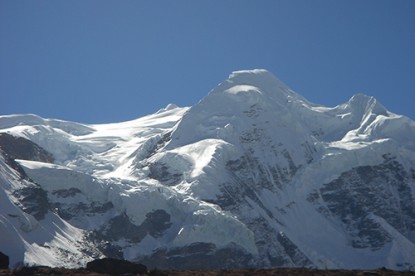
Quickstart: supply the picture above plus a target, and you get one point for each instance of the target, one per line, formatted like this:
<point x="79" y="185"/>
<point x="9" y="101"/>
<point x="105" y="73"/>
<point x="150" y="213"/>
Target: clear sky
<point x="98" y="61"/>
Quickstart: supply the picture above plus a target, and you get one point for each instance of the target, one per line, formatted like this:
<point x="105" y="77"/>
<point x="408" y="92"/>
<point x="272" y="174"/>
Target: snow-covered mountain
<point x="254" y="175"/>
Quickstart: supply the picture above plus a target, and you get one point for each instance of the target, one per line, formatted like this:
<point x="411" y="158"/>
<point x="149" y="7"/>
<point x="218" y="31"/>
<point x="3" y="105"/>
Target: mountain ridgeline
<point x="252" y="176"/>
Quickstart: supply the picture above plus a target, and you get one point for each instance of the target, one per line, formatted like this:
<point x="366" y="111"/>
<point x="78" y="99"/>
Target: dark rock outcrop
<point x="360" y="196"/>
<point x="197" y="256"/>
<point x="115" y="266"/>
<point x="155" y="223"/>
<point x="33" y="200"/>
<point x="13" y="148"/>
<point x="68" y="211"/>
<point x="21" y="148"/>
<point x="4" y="261"/>
<point x="163" y="173"/>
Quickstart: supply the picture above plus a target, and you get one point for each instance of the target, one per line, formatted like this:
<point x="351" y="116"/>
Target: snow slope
<point x="253" y="175"/>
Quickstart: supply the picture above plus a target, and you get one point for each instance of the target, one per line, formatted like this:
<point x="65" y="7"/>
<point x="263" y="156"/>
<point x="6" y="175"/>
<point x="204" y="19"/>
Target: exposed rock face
<point x="364" y="196"/>
<point x="199" y="256"/>
<point x="119" y="227"/>
<point x="4" y="261"/>
<point x="21" y="148"/>
<point x="115" y="266"/>
<point x="33" y="200"/>
<point x="13" y="147"/>
<point x="77" y="209"/>
<point x="161" y="172"/>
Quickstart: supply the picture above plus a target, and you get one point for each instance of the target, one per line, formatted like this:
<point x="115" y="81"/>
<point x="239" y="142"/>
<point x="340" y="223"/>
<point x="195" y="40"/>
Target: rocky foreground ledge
<point x="41" y="270"/>
<point x="110" y="266"/>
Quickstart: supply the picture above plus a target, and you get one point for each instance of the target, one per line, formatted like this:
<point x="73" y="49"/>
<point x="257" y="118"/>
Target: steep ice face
<point x="246" y="98"/>
<point x="249" y="119"/>
<point x="252" y="111"/>
<point x="361" y="104"/>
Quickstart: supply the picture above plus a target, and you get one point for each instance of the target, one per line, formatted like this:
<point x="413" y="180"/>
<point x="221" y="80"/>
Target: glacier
<point x="253" y="175"/>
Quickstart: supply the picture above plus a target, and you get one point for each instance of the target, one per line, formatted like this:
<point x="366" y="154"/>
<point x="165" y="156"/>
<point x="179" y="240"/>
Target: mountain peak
<point x="250" y="87"/>
<point x="363" y="104"/>
<point x="245" y="100"/>
<point x="260" y="78"/>
<point x="252" y="76"/>
<point x="360" y="100"/>
<point x="360" y="97"/>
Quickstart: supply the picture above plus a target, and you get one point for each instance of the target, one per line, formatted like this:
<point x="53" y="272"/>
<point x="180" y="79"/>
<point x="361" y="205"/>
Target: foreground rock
<point x="4" y="261"/>
<point x="42" y="270"/>
<point x="115" y="266"/>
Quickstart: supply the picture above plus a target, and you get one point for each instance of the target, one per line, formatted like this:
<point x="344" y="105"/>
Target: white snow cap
<point x="256" y="77"/>
<point x="261" y="82"/>
<point x="171" y="106"/>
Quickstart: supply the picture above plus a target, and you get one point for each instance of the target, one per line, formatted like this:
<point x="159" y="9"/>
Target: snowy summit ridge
<point x="253" y="175"/>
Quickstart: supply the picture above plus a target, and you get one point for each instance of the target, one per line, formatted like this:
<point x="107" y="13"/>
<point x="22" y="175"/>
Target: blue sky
<point x="108" y="61"/>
